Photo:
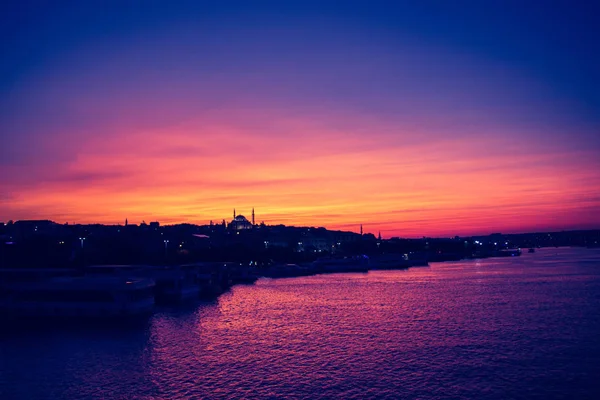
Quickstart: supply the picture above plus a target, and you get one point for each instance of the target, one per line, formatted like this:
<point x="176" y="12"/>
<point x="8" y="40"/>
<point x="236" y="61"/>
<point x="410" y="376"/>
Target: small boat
<point x="346" y="264"/>
<point x="395" y="261"/>
<point x="175" y="285"/>
<point x="507" y="253"/>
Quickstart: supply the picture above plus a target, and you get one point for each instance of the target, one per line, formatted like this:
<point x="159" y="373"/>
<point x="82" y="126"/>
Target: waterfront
<point x="524" y="327"/>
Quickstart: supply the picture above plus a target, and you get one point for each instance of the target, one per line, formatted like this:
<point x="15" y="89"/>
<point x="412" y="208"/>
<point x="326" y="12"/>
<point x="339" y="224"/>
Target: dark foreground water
<point x="519" y="328"/>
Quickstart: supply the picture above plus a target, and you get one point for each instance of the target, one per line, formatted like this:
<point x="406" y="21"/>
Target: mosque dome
<point x="240" y="222"/>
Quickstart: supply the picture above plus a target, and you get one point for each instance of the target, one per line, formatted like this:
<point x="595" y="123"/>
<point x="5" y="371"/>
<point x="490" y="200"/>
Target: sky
<point x="428" y="119"/>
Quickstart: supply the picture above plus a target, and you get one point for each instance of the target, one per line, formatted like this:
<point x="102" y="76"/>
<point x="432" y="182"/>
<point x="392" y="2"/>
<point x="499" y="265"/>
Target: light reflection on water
<point x="523" y="327"/>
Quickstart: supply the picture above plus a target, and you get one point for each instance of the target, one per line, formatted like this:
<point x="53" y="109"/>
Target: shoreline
<point x="210" y="280"/>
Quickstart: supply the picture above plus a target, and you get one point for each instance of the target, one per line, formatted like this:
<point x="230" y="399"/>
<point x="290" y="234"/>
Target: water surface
<point x="520" y="328"/>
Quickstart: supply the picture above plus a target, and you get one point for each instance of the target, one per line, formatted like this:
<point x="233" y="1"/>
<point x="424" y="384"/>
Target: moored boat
<point x="346" y="264"/>
<point x="173" y="284"/>
<point x="78" y="297"/>
<point x="507" y="253"/>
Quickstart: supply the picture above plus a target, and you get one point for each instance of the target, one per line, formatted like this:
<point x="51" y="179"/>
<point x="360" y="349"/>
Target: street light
<point x="82" y="239"/>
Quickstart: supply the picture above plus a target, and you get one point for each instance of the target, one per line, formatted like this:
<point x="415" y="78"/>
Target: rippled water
<point x="524" y="327"/>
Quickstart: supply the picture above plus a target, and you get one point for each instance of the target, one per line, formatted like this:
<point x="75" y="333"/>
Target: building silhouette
<point x="240" y="223"/>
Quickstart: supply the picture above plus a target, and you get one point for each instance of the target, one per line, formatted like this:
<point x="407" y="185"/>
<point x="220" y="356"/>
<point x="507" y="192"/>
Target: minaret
<point x="234" y="213"/>
<point x="379" y="237"/>
<point x="361" y="231"/>
<point x="252" y="216"/>
<point x="126" y="221"/>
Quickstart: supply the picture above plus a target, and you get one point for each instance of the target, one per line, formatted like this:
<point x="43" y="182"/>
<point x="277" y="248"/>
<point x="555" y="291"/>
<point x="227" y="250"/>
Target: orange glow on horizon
<point x="309" y="174"/>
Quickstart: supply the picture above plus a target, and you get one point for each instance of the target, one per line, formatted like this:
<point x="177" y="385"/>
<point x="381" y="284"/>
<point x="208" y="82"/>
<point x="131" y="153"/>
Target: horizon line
<point x="554" y="230"/>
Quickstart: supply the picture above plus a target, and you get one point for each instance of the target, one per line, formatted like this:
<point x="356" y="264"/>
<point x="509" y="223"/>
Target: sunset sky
<point x="434" y="119"/>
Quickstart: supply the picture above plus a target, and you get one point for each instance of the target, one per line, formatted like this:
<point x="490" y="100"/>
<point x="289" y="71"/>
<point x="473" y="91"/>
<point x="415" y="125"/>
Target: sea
<point x="500" y="328"/>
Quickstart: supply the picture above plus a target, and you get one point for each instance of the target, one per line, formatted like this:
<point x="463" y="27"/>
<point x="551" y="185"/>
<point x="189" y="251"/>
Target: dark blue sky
<point x="557" y="41"/>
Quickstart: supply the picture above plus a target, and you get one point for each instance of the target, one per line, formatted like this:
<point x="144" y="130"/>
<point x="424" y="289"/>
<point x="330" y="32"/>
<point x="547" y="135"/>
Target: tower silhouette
<point x="252" y="216"/>
<point x="234" y="213"/>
